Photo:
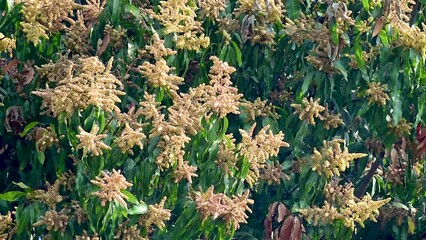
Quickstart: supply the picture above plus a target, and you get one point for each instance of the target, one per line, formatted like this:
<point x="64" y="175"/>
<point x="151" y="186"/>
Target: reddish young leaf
<point x="287" y="228"/>
<point x="296" y="233"/>
<point x="283" y="212"/>
<point x="379" y="25"/>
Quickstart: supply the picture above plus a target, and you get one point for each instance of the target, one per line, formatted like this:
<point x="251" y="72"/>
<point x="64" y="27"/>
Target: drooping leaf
<point x="12" y="196"/>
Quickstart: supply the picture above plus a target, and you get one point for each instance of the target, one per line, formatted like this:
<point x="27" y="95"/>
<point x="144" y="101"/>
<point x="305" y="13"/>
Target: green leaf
<point x="21" y="185"/>
<point x="10" y="4"/>
<point x="358" y="54"/>
<point x="41" y="157"/>
<point x="333" y="32"/>
<point x="384" y="37"/>
<point x="116" y="10"/>
<point x="28" y="128"/>
<point x="238" y="53"/>
<point x="339" y="66"/>
<point x="130" y="196"/>
<point x="12" y="196"/>
<point x="366" y="5"/>
<point x="293" y="8"/>
<point x="138" y="209"/>
<point x="307" y="82"/>
<point x="133" y="10"/>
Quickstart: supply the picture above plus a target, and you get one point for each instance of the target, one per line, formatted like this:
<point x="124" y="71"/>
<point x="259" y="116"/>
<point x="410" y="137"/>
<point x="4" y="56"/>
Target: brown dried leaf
<point x="27" y="74"/>
<point x="394" y="155"/>
<point x="14" y="119"/>
<point x="379" y="25"/>
<point x="10" y="65"/>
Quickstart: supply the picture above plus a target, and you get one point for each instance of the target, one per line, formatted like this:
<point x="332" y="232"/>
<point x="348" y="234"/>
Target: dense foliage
<point x="212" y="119"/>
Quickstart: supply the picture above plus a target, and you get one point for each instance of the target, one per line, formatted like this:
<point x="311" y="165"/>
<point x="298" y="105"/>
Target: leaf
<point x="238" y="54"/>
<point x="379" y="25"/>
<point x="130" y="197"/>
<point x="339" y="66"/>
<point x="21" y="185"/>
<point x="116" y="10"/>
<point x="333" y="32"/>
<point x="347" y="119"/>
<point x="133" y="10"/>
<point x="41" y="157"/>
<point x="282" y="212"/>
<point x="104" y="45"/>
<point x="12" y="196"/>
<point x="138" y="209"/>
<point x="10" y="4"/>
<point x="28" y="128"/>
<point x="286" y="228"/>
<point x="366" y="5"/>
<point x="411" y="225"/>
<point x="268" y="221"/>
<point x="358" y="53"/>
<point x="293" y="8"/>
<point x="384" y="38"/>
<point x="296" y="232"/>
<point x="307" y="82"/>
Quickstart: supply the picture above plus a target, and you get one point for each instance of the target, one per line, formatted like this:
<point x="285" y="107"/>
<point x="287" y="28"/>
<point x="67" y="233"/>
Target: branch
<point x="364" y="183"/>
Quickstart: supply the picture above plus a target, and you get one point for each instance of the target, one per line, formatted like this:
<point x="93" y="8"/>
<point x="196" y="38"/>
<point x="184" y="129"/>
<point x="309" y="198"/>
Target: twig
<point x="364" y="183"/>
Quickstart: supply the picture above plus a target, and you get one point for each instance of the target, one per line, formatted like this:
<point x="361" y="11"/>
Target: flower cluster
<point x="212" y="8"/>
<point x="184" y="170"/>
<point x="77" y="36"/>
<point x="42" y="16"/>
<point x="157" y="74"/>
<point x="129" y="138"/>
<point x="232" y="210"/>
<point x="308" y="110"/>
<point x="258" y="108"/>
<point x="179" y="18"/>
<point x="79" y="212"/>
<point x="330" y="160"/>
<point x="7" y="44"/>
<point x="331" y="120"/>
<point x="306" y="28"/>
<point x="91" y="142"/>
<point x="110" y="187"/>
<point x="258" y="150"/>
<point x="86" y="236"/>
<point x="184" y="115"/>
<point x="80" y="83"/>
<point x="116" y="35"/>
<point x="92" y="9"/>
<point x="257" y="19"/>
<point x="226" y="158"/>
<point x="273" y="173"/>
<point x="156" y="215"/>
<point x="51" y="197"/>
<point x="45" y="138"/>
<point x="56" y="221"/>
<point x="403" y="128"/>
<point x="219" y="96"/>
<point x="325" y="51"/>
<point x="128" y="233"/>
<point x="341" y="204"/>
<point x="6" y="223"/>
<point x="376" y="93"/>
